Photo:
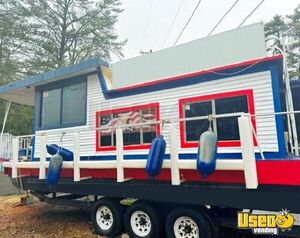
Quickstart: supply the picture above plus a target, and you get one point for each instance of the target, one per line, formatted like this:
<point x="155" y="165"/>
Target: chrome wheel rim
<point x="104" y="218"/>
<point x="140" y="223"/>
<point x="186" y="227"/>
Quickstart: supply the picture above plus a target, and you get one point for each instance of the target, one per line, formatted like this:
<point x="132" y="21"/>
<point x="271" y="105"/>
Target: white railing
<point x="6" y="146"/>
<point x="25" y="146"/>
<point x="247" y="164"/>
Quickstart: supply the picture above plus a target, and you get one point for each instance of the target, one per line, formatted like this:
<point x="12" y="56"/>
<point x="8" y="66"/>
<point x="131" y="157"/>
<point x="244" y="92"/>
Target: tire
<point x="143" y="221"/>
<point x="107" y="217"/>
<point x="187" y="223"/>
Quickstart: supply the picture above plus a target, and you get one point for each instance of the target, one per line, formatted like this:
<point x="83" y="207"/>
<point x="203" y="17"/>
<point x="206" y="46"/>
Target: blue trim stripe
<point x="275" y="75"/>
<point x="102" y="82"/>
<point x="221" y="156"/>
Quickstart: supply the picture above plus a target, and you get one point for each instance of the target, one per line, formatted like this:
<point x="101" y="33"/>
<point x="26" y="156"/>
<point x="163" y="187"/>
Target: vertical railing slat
<point x="175" y="176"/>
<point x="43" y="155"/>
<point x="15" y="145"/>
<point x="248" y="152"/>
<point x="120" y="155"/>
<point x="76" y="157"/>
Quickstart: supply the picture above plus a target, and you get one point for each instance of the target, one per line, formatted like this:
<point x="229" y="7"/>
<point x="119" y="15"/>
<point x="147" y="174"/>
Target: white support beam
<point x="248" y="152"/>
<point x="76" y="154"/>
<point x="28" y="165"/>
<point x="65" y="165"/>
<point x="120" y="155"/>
<point x="229" y="164"/>
<point x="175" y="176"/>
<point x="105" y="164"/>
<point x="226" y="164"/>
<point x="15" y="145"/>
<point x="43" y="155"/>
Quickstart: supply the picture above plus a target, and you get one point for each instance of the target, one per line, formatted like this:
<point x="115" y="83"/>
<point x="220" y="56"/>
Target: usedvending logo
<point x="266" y="224"/>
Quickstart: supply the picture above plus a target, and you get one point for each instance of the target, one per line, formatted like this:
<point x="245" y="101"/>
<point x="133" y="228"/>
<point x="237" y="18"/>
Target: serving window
<point x="224" y="103"/>
<point x="138" y="124"/>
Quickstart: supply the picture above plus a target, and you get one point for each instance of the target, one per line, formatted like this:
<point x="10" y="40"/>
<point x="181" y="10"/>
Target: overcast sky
<point x="145" y="23"/>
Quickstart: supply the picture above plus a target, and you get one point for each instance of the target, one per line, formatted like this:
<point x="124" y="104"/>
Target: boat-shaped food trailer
<point x="106" y="117"/>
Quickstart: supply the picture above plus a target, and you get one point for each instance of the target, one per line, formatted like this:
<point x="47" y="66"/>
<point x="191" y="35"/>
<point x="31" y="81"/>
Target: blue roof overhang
<point x="23" y="91"/>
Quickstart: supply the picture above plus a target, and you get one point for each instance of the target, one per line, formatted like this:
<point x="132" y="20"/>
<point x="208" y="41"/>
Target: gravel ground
<point x="40" y="220"/>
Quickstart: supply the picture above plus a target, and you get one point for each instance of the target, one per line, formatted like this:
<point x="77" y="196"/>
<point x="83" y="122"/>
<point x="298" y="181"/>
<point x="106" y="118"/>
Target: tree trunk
<point x="61" y="59"/>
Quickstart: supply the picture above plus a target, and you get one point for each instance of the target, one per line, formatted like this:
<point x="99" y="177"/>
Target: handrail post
<point x="43" y="155"/>
<point x="175" y="176"/>
<point x="120" y="155"/>
<point x="248" y="153"/>
<point x="15" y="145"/>
<point x="76" y="169"/>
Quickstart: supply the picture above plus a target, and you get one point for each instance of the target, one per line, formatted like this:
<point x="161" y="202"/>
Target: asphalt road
<point x="6" y="188"/>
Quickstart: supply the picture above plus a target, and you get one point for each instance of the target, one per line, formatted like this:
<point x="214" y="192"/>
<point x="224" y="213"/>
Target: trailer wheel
<point x="142" y="221"/>
<point x="107" y="217"/>
<point x="187" y="223"/>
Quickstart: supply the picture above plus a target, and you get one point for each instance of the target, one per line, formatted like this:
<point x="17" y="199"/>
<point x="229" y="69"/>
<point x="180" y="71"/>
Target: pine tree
<point x="12" y="46"/>
<point x="294" y="49"/>
<point x="289" y="28"/>
<point x="63" y="32"/>
<point x="42" y="35"/>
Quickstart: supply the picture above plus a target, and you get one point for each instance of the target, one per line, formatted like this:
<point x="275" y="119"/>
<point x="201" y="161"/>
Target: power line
<point x="172" y="25"/>
<point x="250" y="14"/>
<point x="147" y="23"/>
<point x="219" y="22"/>
<point x="195" y="9"/>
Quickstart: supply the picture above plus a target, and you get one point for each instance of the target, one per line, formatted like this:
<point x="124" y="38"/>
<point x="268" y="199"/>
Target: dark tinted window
<point x="227" y="127"/>
<point x="73" y="104"/>
<point x="51" y="108"/>
<point x="63" y="106"/>
<point x="195" y="128"/>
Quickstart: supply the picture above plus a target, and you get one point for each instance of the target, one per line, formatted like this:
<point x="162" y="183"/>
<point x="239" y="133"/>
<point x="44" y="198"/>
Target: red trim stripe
<point x="235" y="143"/>
<point x="202" y="72"/>
<point x="269" y="172"/>
<point x="126" y="109"/>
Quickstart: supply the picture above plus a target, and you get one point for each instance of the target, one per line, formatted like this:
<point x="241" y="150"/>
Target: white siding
<point x="168" y="99"/>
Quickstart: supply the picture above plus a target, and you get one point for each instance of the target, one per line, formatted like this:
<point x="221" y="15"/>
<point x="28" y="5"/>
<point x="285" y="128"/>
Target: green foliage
<point x="38" y="36"/>
<point x="12" y="33"/>
<point x="19" y="121"/>
<point x="63" y="32"/>
<point x="294" y="35"/>
<point x="289" y="28"/>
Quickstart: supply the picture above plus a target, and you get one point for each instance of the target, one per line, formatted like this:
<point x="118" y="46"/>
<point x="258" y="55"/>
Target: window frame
<point x="225" y="143"/>
<point x="126" y="109"/>
<point x="59" y="85"/>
